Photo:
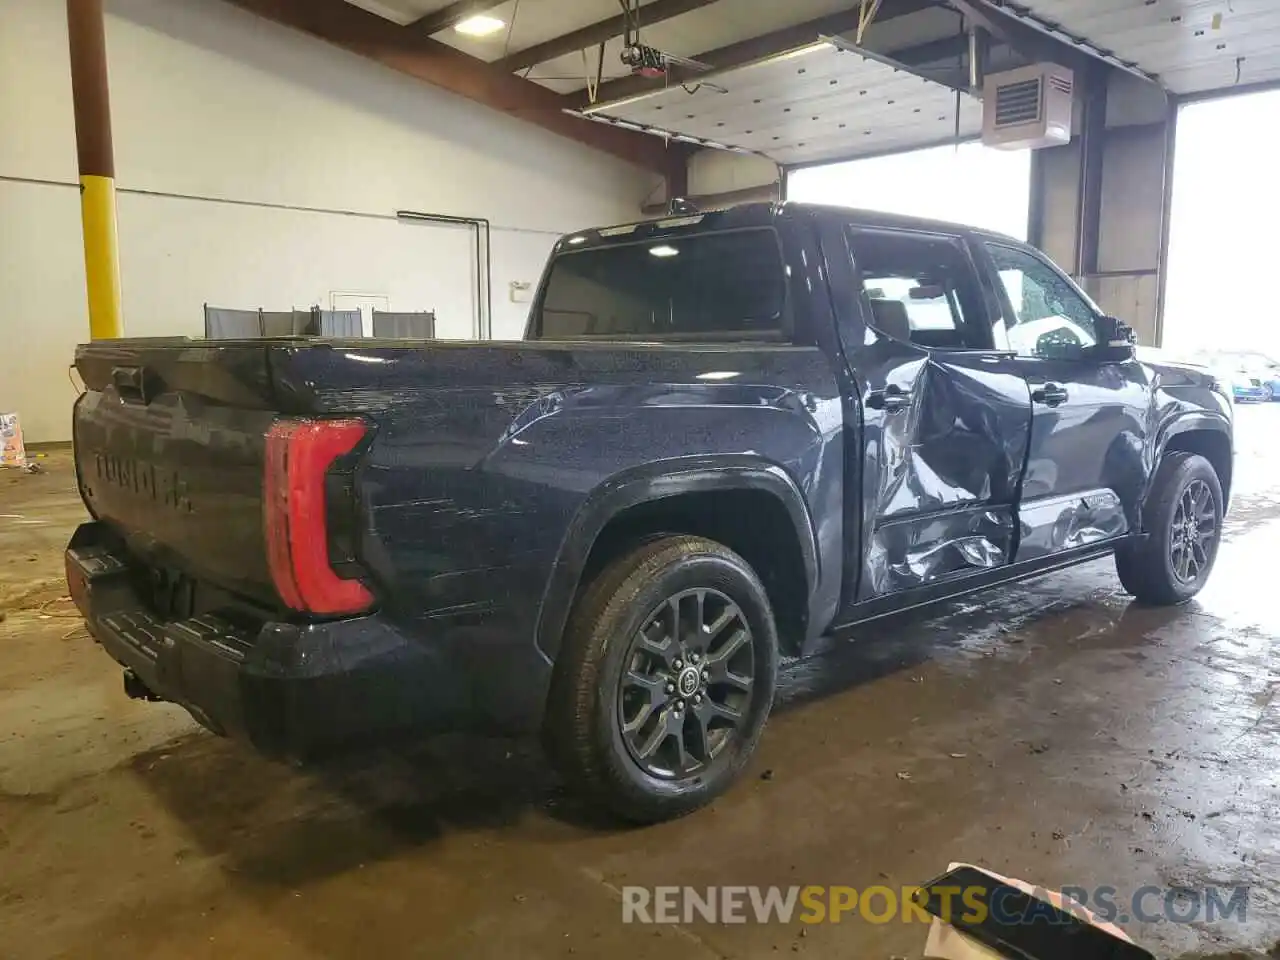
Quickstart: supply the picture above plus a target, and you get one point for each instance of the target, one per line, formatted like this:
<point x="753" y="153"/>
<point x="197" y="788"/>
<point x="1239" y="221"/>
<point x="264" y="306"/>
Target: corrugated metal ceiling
<point x="401" y="11"/>
<point x="530" y="22"/>
<point x="820" y="102"/>
<point x="691" y="34"/>
<point x="708" y="29"/>
<point x="1192" y="46"/>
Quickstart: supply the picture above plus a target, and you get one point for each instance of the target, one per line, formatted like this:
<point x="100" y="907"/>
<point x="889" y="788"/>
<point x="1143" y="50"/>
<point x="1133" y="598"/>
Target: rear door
<point x="1086" y="466"/>
<point x="944" y="419"/>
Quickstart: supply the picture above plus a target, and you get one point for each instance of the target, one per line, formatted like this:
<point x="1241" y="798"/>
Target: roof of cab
<point x="762" y="213"/>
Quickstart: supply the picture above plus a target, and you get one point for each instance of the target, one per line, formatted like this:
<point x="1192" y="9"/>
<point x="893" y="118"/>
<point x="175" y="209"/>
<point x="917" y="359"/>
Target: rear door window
<point x="716" y="286"/>
<point x="920" y="288"/>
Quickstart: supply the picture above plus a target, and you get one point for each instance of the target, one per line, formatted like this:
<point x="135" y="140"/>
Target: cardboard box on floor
<point x="947" y="943"/>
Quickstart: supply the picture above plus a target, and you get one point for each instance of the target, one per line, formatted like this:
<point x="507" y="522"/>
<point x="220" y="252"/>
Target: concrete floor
<point x="1051" y="731"/>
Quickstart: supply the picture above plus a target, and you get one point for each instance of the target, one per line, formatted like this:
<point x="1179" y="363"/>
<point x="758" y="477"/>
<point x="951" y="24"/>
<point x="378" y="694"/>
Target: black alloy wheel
<point x="1193" y="532"/>
<point x="664" y="679"/>
<point x="1171" y="559"/>
<point x="687" y="684"/>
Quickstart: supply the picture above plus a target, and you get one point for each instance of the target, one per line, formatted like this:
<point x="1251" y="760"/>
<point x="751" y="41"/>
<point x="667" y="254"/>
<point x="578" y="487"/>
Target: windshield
<point x="705" y="286"/>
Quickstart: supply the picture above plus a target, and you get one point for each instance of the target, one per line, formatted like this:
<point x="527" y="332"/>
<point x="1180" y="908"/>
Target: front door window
<point x="1051" y="319"/>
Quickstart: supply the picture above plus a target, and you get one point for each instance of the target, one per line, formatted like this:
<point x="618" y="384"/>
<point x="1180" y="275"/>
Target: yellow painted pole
<point x="86" y="32"/>
<point x="101" y="256"/>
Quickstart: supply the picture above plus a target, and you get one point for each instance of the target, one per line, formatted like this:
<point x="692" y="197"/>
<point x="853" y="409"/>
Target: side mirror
<point x="1060" y="344"/>
<point x="1116" y="340"/>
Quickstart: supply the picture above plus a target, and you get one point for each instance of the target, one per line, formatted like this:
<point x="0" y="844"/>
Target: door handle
<point x="1050" y="395"/>
<point x="891" y="399"/>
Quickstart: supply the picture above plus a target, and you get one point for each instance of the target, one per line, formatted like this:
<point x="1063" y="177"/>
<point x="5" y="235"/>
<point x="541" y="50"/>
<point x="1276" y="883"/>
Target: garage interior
<point x="387" y="161"/>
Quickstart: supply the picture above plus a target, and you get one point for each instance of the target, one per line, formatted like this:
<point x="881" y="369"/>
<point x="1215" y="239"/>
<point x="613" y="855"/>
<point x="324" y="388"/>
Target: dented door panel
<point x="1052" y="525"/>
<point x="947" y="468"/>
<point x="918" y="551"/>
<point x="943" y="444"/>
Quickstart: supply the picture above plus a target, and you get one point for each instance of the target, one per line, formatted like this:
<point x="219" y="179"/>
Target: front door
<point x="944" y="421"/>
<point x="1085" y="465"/>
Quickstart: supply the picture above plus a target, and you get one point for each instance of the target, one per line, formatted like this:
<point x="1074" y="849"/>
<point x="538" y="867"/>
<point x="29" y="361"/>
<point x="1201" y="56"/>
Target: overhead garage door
<point x="824" y="101"/>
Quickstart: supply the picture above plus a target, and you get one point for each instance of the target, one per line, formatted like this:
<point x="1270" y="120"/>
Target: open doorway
<point x="969" y="183"/>
<point x="1218" y="309"/>
<point x="1226" y="202"/>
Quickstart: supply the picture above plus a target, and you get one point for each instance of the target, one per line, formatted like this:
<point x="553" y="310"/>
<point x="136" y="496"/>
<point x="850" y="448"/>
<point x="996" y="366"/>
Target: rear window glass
<point x="709" y="285"/>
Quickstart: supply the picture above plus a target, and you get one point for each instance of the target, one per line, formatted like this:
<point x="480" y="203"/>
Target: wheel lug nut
<point x="671" y="688"/>
<point x="679" y="665"/>
<point x="697" y="698"/>
<point x="706" y="674"/>
<point x="679" y="705"/>
<point x="693" y="658"/>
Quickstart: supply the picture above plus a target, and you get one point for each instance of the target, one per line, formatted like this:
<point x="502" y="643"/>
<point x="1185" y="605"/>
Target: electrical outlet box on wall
<point x="1028" y="108"/>
<point x="521" y="291"/>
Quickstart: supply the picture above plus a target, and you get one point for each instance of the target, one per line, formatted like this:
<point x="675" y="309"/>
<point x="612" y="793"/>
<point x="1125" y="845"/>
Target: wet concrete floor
<point x="1052" y="731"/>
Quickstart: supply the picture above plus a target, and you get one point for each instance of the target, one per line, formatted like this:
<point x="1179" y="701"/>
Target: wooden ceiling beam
<point x="597" y="33"/>
<point x="409" y="51"/>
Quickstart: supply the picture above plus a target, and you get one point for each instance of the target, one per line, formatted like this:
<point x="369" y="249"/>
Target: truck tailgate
<point x="169" y="446"/>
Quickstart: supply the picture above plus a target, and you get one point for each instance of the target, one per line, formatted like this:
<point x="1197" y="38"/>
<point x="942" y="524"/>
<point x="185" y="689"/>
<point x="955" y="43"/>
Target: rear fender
<point x="659" y="481"/>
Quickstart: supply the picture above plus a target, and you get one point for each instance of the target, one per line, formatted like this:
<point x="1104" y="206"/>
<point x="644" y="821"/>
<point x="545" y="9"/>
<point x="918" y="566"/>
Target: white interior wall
<point x="721" y="171"/>
<point x="259" y="167"/>
<point x="309" y="258"/>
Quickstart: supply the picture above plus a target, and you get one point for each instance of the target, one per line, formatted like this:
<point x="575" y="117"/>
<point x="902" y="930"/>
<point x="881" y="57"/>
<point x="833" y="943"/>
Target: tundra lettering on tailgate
<point x="162" y="486"/>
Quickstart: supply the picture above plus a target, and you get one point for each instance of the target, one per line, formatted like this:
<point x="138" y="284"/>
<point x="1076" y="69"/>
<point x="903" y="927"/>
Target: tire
<point x="627" y="629"/>
<point x="1156" y="570"/>
<point x="1268" y="393"/>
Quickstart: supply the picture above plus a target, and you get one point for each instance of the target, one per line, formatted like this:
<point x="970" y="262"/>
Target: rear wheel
<point x="664" y="680"/>
<point x="1183" y="522"/>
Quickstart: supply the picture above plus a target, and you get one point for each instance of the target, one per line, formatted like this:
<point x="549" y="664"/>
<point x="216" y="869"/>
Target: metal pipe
<point x="484" y="261"/>
<point x="86" y="33"/>
<point x="979" y="52"/>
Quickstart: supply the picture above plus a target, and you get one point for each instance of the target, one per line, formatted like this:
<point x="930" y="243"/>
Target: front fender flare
<point x="1187" y="422"/>
<point x="659" y="481"/>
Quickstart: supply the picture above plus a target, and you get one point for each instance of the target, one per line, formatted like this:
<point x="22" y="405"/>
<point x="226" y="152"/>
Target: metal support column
<point x="677" y="173"/>
<point x="1166" y="215"/>
<point x="1036" y="203"/>
<point x="1089" y="202"/>
<point x="86" y="31"/>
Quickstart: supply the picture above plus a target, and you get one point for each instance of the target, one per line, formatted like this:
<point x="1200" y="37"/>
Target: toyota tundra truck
<point x="723" y="438"/>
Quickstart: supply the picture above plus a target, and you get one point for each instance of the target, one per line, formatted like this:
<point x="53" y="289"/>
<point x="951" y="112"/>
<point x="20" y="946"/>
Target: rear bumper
<point x="301" y="689"/>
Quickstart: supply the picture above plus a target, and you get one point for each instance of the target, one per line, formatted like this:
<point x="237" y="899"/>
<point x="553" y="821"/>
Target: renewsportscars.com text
<point x="882" y="904"/>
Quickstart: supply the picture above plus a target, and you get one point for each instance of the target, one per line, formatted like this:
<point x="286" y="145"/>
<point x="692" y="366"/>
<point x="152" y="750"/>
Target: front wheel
<point x="1268" y="393"/>
<point x="664" y="680"/>
<point x="1183" y="523"/>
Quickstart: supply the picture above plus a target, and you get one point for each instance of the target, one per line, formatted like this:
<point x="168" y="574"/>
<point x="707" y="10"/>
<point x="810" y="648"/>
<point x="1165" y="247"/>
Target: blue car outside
<point x="1271" y="385"/>
<point x="1249" y="389"/>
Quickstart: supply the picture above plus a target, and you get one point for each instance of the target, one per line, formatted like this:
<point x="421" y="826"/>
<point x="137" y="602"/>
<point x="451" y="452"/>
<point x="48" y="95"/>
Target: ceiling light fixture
<point x="663" y="250"/>
<point x="479" y="25"/>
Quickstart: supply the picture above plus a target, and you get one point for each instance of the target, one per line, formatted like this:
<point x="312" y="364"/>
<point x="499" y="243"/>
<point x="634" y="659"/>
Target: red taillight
<point x="299" y="454"/>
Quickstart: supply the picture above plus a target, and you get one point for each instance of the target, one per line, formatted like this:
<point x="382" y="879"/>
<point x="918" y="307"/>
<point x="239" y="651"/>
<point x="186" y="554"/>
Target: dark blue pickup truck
<point x="724" y="436"/>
